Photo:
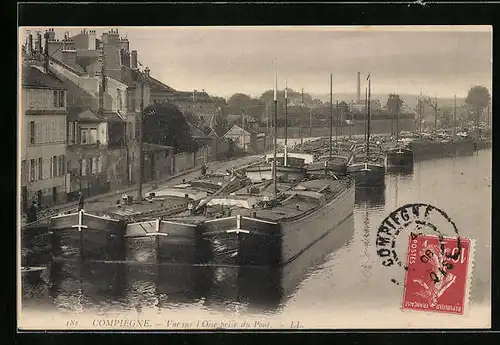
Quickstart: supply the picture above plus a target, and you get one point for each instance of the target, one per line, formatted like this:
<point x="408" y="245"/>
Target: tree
<point x="344" y="110"/>
<point x="394" y="105"/>
<point x="239" y="100"/>
<point x="164" y="124"/>
<point x="219" y="101"/>
<point x="446" y="118"/>
<point x="477" y="99"/>
<point x="296" y="96"/>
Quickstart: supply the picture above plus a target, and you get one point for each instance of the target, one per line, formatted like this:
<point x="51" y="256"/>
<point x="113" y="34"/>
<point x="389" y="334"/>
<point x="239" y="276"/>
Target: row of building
<point x="80" y="105"/>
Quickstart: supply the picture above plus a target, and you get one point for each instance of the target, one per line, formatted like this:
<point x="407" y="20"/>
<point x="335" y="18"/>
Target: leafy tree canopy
<point x="394" y="103"/>
<point x="296" y="96"/>
<point x="239" y="100"/>
<point x="220" y="102"/>
<point x="478" y="98"/>
<point x="164" y="124"/>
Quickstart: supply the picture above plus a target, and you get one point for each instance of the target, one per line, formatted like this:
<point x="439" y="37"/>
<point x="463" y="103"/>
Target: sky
<point x="438" y="61"/>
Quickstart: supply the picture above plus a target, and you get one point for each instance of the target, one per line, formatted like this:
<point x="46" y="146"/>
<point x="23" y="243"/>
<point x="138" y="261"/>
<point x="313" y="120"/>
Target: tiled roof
<point x="87" y="53"/>
<point x="83" y="115"/>
<point x="156" y="84"/>
<point x="196" y="132"/>
<point x="88" y="116"/>
<point x="34" y="77"/>
<point x="111" y="116"/>
<point x="68" y="67"/>
<point x="248" y="130"/>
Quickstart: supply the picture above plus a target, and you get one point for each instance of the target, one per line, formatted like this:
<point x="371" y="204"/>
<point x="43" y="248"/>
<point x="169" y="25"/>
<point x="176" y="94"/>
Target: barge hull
<point x="247" y="241"/>
<point x="400" y="158"/>
<point x="367" y="175"/>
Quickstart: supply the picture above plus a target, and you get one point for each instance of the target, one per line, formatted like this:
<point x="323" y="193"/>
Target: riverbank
<point x="97" y="201"/>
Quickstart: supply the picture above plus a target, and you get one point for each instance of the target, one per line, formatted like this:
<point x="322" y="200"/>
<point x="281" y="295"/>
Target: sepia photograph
<point x="254" y="177"/>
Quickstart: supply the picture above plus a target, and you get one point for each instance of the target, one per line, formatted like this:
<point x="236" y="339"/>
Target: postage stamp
<point x="438" y="273"/>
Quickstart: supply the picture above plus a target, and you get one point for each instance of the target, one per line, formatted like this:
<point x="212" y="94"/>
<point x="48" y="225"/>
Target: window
<point x="32" y="170"/>
<point x="84" y="134"/>
<point x="46" y="168"/>
<point x="40" y="168"/>
<point x="54" y="132"/>
<point x="119" y="99"/>
<point x="61" y="99"/>
<point x="93" y="136"/>
<point x="23" y="171"/>
<point x="32" y="132"/>
<point x="45" y="130"/>
<point x="71" y="140"/>
<point x="93" y="164"/>
<point x="62" y="131"/>
<point x="60" y="162"/>
<point x="99" y="165"/>
<point x="78" y="134"/>
<point x="55" y="100"/>
<point x="54" y="166"/>
<point x="84" y="167"/>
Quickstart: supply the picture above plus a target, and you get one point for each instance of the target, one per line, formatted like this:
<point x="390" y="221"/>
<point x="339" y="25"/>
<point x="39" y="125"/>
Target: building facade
<point x="42" y="134"/>
<point x="247" y="140"/>
<point x="105" y="91"/>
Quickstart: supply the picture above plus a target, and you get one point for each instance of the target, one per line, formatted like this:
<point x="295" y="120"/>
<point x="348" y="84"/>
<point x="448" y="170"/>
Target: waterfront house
<point x="42" y="127"/>
<point x="247" y="140"/>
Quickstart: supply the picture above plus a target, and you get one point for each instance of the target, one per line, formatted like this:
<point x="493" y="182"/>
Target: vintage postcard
<point x="265" y="177"/>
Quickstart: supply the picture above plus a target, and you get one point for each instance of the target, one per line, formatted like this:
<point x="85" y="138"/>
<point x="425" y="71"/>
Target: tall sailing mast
<point x="301" y="118"/>
<point x="454" y="115"/>
<point x="337" y="125"/>
<point x="275" y="186"/>
<point x="369" y="116"/>
<point x="286" y="121"/>
<point x="331" y="117"/>
<point x="397" y="119"/>
<point x="366" y="111"/>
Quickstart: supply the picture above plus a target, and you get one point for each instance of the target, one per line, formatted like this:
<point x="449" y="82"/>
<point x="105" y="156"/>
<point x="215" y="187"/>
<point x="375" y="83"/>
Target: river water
<point x="338" y="283"/>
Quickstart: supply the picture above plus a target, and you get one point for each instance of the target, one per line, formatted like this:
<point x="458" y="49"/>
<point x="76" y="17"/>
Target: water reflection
<point x="89" y="282"/>
<point x="370" y="196"/>
<point x="404" y="171"/>
<point x="266" y="288"/>
<point x="76" y="285"/>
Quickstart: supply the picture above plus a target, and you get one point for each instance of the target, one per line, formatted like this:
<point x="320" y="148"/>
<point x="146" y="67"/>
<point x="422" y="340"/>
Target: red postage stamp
<point x="438" y="274"/>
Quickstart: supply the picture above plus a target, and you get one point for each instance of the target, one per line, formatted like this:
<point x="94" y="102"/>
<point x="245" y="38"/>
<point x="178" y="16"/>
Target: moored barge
<point x="135" y="231"/>
<point x="258" y="229"/>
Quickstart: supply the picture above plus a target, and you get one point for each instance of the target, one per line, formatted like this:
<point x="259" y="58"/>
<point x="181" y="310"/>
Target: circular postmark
<point x="415" y="220"/>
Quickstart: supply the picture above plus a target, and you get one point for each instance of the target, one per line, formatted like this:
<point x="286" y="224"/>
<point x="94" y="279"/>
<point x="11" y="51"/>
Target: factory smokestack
<point x="359" y="87"/>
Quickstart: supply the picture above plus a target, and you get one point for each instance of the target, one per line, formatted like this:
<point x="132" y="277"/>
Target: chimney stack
<point x="39" y="45"/>
<point x="133" y="59"/>
<point x="359" y="87"/>
<point x="92" y="39"/>
<point x="46" y="36"/>
<point x="30" y="44"/>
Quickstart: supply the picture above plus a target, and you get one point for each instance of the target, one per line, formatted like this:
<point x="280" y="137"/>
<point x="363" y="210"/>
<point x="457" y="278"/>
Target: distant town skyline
<point x="435" y="60"/>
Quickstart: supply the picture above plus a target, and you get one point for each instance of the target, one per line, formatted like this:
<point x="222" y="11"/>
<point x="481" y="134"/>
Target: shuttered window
<point x="40" y="168"/>
<point x="31" y="130"/>
<point x="84" y="167"/>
